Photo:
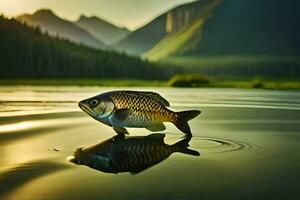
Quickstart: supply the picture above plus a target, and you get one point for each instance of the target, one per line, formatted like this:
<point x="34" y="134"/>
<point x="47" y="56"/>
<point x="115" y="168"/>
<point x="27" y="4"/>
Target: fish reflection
<point x="129" y="154"/>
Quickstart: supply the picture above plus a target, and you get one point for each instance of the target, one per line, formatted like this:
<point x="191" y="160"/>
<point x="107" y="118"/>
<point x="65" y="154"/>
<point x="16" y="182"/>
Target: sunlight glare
<point x="15" y="127"/>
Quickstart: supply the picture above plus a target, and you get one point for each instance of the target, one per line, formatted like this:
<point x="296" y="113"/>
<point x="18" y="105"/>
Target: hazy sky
<point x="128" y="13"/>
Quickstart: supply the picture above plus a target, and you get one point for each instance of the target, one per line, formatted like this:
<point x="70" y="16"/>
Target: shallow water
<point x="249" y="141"/>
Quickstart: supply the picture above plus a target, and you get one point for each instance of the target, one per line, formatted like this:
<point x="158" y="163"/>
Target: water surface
<point x="248" y="140"/>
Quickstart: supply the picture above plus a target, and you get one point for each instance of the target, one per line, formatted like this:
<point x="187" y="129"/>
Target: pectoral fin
<point x="122" y="114"/>
<point x="156" y="127"/>
<point x="121" y="130"/>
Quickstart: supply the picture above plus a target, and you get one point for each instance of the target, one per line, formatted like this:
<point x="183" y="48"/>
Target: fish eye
<point x="94" y="102"/>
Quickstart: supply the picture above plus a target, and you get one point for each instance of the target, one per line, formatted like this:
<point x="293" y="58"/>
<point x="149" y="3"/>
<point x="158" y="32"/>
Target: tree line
<point x="26" y="52"/>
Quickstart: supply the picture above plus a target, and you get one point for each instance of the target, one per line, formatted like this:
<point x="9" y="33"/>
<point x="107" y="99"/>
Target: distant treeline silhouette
<point x="26" y="52"/>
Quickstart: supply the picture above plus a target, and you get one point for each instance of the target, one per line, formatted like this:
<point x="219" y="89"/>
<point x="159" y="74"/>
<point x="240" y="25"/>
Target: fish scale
<point x="138" y="159"/>
<point x="144" y="153"/>
<point x="144" y="108"/>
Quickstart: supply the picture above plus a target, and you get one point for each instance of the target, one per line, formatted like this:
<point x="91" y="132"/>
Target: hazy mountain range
<point x="200" y="28"/>
<point x="55" y="26"/>
<point x="102" y="30"/>
<point x="216" y="27"/>
<point x="169" y="23"/>
<point x="90" y="31"/>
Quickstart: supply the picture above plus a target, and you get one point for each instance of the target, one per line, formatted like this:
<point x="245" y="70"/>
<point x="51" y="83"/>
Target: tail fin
<point x="182" y="120"/>
<point x="182" y="147"/>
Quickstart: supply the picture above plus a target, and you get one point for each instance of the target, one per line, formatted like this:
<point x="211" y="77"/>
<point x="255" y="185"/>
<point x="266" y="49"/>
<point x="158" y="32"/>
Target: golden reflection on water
<point x="16" y="127"/>
<point x="27" y="125"/>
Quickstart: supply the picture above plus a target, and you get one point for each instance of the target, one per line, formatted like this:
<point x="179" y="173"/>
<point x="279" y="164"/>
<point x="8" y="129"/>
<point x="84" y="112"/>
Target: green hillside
<point x="102" y="30"/>
<point x="144" y="38"/>
<point x="148" y="36"/>
<point x="174" y="43"/>
<point x="27" y="53"/>
<point x="183" y="39"/>
<point x="55" y="26"/>
<point x="250" y="27"/>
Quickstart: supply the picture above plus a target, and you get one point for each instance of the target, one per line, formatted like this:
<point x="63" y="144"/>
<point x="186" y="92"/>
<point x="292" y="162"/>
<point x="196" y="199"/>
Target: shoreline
<point x="214" y="83"/>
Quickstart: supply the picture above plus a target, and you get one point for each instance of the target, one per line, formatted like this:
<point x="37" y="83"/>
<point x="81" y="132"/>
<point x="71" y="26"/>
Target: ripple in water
<point x="217" y="145"/>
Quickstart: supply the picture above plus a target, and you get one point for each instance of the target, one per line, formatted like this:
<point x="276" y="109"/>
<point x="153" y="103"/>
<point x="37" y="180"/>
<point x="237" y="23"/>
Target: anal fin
<point x="156" y="127"/>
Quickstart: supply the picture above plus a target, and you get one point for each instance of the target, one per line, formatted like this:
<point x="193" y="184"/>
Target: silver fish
<point x="129" y="154"/>
<point x="120" y="109"/>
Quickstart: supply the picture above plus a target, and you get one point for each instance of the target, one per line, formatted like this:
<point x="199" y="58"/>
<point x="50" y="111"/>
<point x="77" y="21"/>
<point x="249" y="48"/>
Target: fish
<point x="131" y="154"/>
<point x="137" y="109"/>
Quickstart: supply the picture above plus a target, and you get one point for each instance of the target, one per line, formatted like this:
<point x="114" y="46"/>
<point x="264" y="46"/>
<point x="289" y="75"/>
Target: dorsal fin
<point x="158" y="98"/>
<point x="153" y="95"/>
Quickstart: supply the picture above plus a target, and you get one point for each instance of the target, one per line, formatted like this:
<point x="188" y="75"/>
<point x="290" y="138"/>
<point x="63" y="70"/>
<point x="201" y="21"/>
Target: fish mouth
<point x="86" y="109"/>
<point x="71" y="159"/>
<point x="74" y="160"/>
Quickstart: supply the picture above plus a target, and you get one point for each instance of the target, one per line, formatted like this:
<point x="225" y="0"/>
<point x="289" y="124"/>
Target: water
<point x="249" y="141"/>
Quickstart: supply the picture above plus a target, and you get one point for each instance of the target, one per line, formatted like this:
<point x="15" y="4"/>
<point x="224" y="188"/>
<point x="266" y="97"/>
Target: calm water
<point x="249" y="141"/>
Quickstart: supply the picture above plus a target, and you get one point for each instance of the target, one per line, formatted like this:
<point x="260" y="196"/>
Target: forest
<point x="26" y="52"/>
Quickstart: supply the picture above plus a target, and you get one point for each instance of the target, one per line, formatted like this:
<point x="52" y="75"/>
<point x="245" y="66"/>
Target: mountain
<point x="25" y="52"/>
<point x="102" y="30"/>
<point x="186" y="36"/>
<point x="146" y="37"/>
<point x="251" y="27"/>
<point x="55" y="26"/>
<point x="220" y="28"/>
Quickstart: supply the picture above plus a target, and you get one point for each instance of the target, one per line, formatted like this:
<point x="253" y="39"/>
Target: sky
<point x="128" y="13"/>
